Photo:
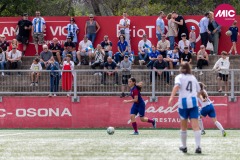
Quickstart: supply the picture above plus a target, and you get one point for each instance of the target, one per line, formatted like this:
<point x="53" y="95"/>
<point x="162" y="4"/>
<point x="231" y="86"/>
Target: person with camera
<point x="14" y="59"/>
<point x="99" y="59"/>
<point x="202" y="58"/>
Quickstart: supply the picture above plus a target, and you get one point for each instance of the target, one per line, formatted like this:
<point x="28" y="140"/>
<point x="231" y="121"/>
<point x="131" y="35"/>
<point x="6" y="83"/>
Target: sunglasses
<point x="14" y="48"/>
<point x="90" y="17"/>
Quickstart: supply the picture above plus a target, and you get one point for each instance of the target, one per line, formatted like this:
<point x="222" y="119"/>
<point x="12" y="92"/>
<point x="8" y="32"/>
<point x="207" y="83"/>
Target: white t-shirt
<point x="16" y="55"/>
<point x="36" y="67"/>
<point x="188" y="90"/>
<point x="124" y="23"/>
<point x="144" y="45"/>
<point x="223" y="65"/>
<point x="181" y="45"/>
<point x="85" y="45"/>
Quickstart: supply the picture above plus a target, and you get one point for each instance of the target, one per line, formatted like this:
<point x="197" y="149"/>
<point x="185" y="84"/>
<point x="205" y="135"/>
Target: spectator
<point x="203" y="25"/>
<point x="144" y="47"/>
<point x="2" y="60"/>
<point x="3" y="43"/>
<point x="182" y="27"/>
<point x="91" y="28"/>
<point x="110" y="68"/>
<point x="13" y="42"/>
<point x="235" y="33"/>
<point x="14" y="59"/>
<point x="45" y="56"/>
<point x="53" y="66"/>
<point x="160" y="67"/>
<point x="67" y="77"/>
<point x="99" y="59"/>
<point x="152" y="56"/>
<point x="172" y="58"/>
<point x="163" y="46"/>
<point x="215" y="30"/>
<point x="85" y="48"/>
<point x="124" y="26"/>
<point x="160" y="26"/>
<point x="122" y="49"/>
<point x="125" y="67"/>
<point x="107" y="47"/>
<point x="192" y="39"/>
<point x="72" y="30"/>
<point x="186" y="56"/>
<point x="222" y="67"/>
<point x="38" y="28"/>
<point x="35" y="68"/>
<point x="172" y="31"/>
<point x="202" y="58"/>
<point x="183" y="43"/>
<point x="55" y="48"/>
<point x="23" y="27"/>
<point x="69" y="48"/>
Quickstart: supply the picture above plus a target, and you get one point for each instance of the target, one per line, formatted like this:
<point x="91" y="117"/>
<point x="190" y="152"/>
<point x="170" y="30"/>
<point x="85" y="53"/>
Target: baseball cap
<point x="126" y="56"/>
<point x="183" y="35"/>
<point x="185" y="47"/>
<point x="192" y="28"/>
<point x="91" y="15"/>
<point x="25" y="14"/>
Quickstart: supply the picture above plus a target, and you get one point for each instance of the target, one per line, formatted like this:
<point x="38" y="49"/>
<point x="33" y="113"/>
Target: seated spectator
<point x="172" y="58"/>
<point x="14" y="59"/>
<point x="159" y="67"/>
<point x="3" y="43"/>
<point x="202" y="58"/>
<point x="222" y="67"/>
<point x="122" y="49"/>
<point x="152" y="56"/>
<point x="99" y="58"/>
<point x="55" y="48"/>
<point x="69" y="48"/>
<point x="110" y="69"/>
<point x="125" y="67"/>
<point x="45" y="56"/>
<point x="67" y="77"/>
<point x="107" y="46"/>
<point x="163" y="46"/>
<point x="35" y="68"/>
<point x="186" y="56"/>
<point x="14" y="41"/>
<point x="53" y="66"/>
<point x="183" y="43"/>
<point x="144" y="47"/>
<point x="2" y="60"/>
<point x="85" y="48"/>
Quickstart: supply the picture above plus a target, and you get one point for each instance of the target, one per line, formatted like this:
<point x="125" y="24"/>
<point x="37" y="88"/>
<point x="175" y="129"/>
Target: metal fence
<point x="89" y="82"/>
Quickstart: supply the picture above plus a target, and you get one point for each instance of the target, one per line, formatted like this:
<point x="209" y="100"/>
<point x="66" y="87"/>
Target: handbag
<point x="209" y="46"/>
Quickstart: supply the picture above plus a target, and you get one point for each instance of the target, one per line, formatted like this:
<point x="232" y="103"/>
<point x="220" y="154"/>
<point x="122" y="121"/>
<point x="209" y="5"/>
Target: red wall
<point x="100" y="112"/>
<point x="139" y="26"/>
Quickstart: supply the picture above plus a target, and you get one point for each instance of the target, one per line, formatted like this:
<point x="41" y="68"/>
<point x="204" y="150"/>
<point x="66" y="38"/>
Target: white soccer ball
<point x="229" y="33"/>
<point x="110" y="130"/>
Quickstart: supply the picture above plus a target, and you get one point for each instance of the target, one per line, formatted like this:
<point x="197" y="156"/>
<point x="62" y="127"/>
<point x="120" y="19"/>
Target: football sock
<point x="150" y="120"/>
<point x="183" y="135"/>
<point x="201" y="124"/>
<point x="219" y="126"/>
<point x="197" y="135"/>
<point x="134" y="125"/>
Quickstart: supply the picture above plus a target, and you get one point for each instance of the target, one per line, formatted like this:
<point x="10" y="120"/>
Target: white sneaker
<point x="225" y="94"/>
<point x="118" y="64"/>
<point x="32" y="84"/>
<point x="140" y="62"/>
<point x="201" y="73"/>
<point x="90" y="63"/>
<point x="54" y="95"/>
<point x="36" y="84"/>
<point x="172" y="73"/>
<point x="50" y="95"/>
<point x="100" y="74"/>
<point x="95" y="74"/>
<point x="79" y="64"/>
<point x="68" y="95"/>
<point x="143" y="61"/>
<point x="195" y="69"/>
<point x="2" y="73"/>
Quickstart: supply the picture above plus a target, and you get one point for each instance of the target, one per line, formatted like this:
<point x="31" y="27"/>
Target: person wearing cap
<point x="122" y="49"/>
<point x="107" y="47"/>
<point x="183" y="43"/>
<point x="85" y="49"/>
<point x="144" y="48"/>
<point x="163" y="46"/>
<point x="23" y="28"/>
<point x="38" y="29"/>
<point x="125" y="67"/>
<point x="172" y="30"/>
<point x="192" y="38"/>
<point x="182" y="27"/>
<point x="3" y="43"/>
<point x="160" y="26"/>
<point x="203" y="25"/>
<point x="124" y="25"/>
<point x="91" y="28"/>
<point x="72" y="30"/>
<point x="186" y="56"/>
<point x="69" y="48"/>
<point x="55" y="48"/>
<point x="67" y="77"/>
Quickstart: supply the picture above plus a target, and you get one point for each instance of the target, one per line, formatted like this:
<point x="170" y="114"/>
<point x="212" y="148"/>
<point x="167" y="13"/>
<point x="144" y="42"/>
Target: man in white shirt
<point x="144" y="47"/>
<point x="14" y="59"/>
<point x="124" y="26"/>
<point x="85" y="48"/>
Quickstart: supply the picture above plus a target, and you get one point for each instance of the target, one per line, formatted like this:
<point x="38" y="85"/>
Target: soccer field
<point x="97" y="144"/>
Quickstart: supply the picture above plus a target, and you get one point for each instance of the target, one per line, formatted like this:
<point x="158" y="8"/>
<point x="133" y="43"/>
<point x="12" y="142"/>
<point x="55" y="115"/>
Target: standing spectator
<point x="107" y="47"/>
<point x="222" y="66"/>
<point x="72" y="30"/>
<point x="85" y="48"/>
<point x="144" y="47"/>
<point x="122" y="49"/>
<point x="160" y="26"/>
<point x="124" y="26"/>
<point x="202" y="58"/>
<point x="203" y="25"/>
<point x="110" y="68"/>
<point x="3" y="43"/>
<point x="215" y="30"/>
<point x="91" y="28"/>
<point x="2" y="60"/>
<point x="99" y="58"/>
<point x="23" y="27"/>
<point x="55" y="48"/>
<point x="172" y="58"/>
<point x="53" y="66"/>
<point x="13" y="42"/>
<point x="152" y="56"/>
<point x="192" y="39"/>
<point x="14" y="59"/>
<point x="163" y="46"/>
<point x="67" y="77"/>
<point x="235" y="33"/>
<point x="69" y="48"/>
<point x="183" y="43"/>
<point x="38" y="28"/>
<point x="172" y="30"/>
<point x="182" y="27"/>
<point x="35" y="68"/>
<point x="45" y="56"/>
<point x="125" y="67"/>
<point x="186" y="56"/>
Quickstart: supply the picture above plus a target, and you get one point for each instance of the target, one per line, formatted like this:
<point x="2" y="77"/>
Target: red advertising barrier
<point x="100" y="112"/>
<point x="56" y="27"/>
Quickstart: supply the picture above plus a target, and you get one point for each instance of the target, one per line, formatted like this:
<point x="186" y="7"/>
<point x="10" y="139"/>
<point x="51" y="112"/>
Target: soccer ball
<point x="229" y="33"/>
<point x="110" y="130"/>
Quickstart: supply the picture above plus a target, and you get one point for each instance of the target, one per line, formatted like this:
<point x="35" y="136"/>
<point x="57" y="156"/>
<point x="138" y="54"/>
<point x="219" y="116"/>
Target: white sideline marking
<point x="14" y="134"/>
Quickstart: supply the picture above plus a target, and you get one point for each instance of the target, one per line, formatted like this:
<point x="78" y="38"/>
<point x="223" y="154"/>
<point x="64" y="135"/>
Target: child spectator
<point x="172" y="58"/>
<point x="234" y="30"/>
<point x="125" y="66"/>
<point x="202" y="58"/>
<point x="192" y="39"/>
<point x="152" y="56"/>
<point x="186" y="56"/>
<point x="35" y="67"/>
<point x="67" y="77"/>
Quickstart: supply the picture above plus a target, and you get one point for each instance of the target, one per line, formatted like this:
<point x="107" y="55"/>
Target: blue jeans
<point x="91" y="37"/>
<point x="159" y="36"/>
<point x="54" y="83"/>
<point x="119" y="57"/>
<point x="142" y="56"/>
<point x="2" y="65"/>
<point x="172" y="41"/>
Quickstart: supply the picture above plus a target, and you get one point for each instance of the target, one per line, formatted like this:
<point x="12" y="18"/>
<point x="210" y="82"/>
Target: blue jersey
<point x="135" y="92"/>
<point x="153" y="54"/>
<point x="72" y="31"/>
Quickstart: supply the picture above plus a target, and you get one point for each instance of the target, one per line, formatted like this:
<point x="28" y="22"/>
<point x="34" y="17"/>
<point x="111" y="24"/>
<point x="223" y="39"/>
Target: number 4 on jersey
<point x="189" y="86"/>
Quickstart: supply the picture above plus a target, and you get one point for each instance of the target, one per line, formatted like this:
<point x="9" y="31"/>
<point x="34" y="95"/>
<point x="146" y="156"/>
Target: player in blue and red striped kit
<point x="138" y="105"/>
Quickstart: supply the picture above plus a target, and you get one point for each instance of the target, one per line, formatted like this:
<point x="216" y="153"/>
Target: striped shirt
<point x="72" y="28"/>
<point x="38" y="23"/>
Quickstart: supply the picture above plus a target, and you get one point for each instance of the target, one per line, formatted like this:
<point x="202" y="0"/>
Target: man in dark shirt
<point x="55" y="48"/>
<point x="186" y="56"/>
<point x="159" y="67"/>
<point x="107" y="46"/>
<point x="3" y="43"/>
<point x="23" y="27"/>
<point x="182" y="27"/>
<point x="110" y="68"/>
<point x="70" y="48"/>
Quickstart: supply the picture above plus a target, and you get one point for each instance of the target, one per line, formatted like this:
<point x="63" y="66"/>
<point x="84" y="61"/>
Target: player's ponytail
<point x="202" y="92"/>
<point x="139" y="86"/>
